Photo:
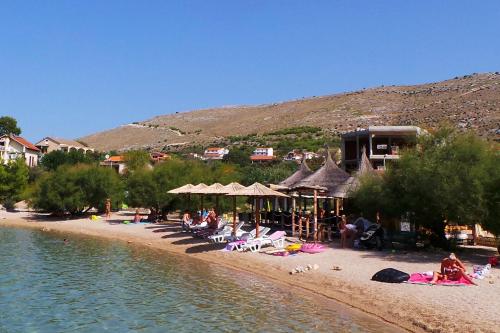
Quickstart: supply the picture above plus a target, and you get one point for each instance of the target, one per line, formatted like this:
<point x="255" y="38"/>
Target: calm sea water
<point x="93" y="285"/>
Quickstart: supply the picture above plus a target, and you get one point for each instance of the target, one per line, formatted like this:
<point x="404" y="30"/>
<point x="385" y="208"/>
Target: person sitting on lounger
<point x="451" y="269"/>
<point x="347" y="230"/>
<point x="211" y="219"/>
<point x="137" y="216"/>
<point x="186" y="220"/>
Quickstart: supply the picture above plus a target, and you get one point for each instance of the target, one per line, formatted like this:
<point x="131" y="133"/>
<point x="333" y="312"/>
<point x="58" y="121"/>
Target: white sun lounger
<point x="226" y="234"/>
<point x="276" y="239"/>
<point x="252" y="243"/>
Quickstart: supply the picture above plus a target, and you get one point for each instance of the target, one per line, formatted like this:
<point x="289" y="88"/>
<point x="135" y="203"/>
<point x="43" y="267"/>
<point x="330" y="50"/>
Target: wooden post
<point x="293" y="216"/>
<point x="283" y="215"/>
<point x="337" y="206"/>
<point x="257" y="217"/>
<point x="300" y="225"/>
<point x="308" y="220"/>
<point x="315" y="202"/>
<point x="234" y="216"/>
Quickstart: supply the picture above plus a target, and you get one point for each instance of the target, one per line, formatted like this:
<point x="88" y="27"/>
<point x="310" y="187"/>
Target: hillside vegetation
<point x="468" y="102"/>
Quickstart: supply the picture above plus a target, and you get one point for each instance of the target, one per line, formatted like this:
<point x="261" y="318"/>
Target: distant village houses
<point x="262" y="155"/>
<point x="215" y="153"/>
<point x="382" y="143"/>
<point x="119" y="164"/>
<point x="13" y="147"/>
<point x="49" y="144"/>
<point x="297" y="155"/>
<point x="158" y="157"/>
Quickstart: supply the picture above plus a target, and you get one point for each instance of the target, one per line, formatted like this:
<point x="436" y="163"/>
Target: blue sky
<point x="71" y="68"/>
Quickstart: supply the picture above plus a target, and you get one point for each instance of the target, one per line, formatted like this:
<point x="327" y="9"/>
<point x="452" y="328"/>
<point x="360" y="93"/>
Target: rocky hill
<point x="469" y="102"/>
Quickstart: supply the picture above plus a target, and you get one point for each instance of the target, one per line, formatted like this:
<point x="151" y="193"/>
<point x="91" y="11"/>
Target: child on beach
<point x="107" y="208"/>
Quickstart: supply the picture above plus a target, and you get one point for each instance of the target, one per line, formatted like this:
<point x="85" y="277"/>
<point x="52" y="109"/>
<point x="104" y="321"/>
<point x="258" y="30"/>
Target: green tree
<point x="13" y="182"/>
<point x="51" y="161"/>
<point x="239" y="156"/>
<point x="137" y="160"/>
<point x="268" y="174"/>
<point x="8" y="125"/>
<point x="74" y="189"/>
<point x="149" y="188"/>
<point x="448" y="178"/>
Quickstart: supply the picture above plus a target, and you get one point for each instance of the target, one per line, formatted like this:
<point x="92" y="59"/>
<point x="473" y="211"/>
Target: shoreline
<point x="351" y="287"/>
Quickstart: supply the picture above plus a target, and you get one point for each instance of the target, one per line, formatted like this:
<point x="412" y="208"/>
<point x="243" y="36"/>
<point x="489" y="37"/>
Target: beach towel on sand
<point x="419" y="278"/>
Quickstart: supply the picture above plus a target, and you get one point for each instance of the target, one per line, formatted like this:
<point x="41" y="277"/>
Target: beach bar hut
<point x="326" y="179"/>
<point x="258" y="191"/>
<point x="287" y="185"/>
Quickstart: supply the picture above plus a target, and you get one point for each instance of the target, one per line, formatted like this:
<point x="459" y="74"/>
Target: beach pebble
<point x="129" y="241"/>
<point x="315" y="267"/>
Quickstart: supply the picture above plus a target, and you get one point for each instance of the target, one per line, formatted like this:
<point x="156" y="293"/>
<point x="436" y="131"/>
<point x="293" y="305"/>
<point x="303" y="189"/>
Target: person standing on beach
<point x="107" y="208"/>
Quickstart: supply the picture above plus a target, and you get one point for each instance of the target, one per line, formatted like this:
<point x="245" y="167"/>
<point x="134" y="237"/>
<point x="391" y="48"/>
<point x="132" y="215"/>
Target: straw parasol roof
<point x="182" y="190"/>
<point x="199" y="189"/>
<point x="352" y="183"/>
<point x="296" y="177"/>
<point x="328" y="177"/>
<point x="233" y="187"/>
<point x="216" y="188"/>
<point x="257" y="190"/>
<point x="364" y="165"/>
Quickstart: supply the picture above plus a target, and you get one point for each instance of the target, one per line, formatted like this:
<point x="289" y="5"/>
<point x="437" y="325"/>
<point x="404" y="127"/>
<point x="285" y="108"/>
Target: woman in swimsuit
<point x="451" y="269"/>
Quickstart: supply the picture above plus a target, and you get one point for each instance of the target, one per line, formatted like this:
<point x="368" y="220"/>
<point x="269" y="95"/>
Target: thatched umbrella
<point x="199" y="189"/>
<point x="327" y="178"/>
<point x="257" y="190"/>
<point x="352" y="183"/>
<point x="214" y="189"/>
<point x="186" y="189"/>
<point x="303" y="172"/>
<point x="229" y="189"/>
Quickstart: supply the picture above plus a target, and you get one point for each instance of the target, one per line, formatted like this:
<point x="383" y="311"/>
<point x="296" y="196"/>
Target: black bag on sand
<point x="390" y="275"/>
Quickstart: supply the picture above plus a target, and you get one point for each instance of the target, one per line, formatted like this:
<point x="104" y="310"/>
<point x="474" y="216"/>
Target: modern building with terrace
<point x="382" y="143"/>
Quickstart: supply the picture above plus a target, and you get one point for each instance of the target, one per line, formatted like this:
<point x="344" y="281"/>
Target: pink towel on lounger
<point x="418" y="278"/>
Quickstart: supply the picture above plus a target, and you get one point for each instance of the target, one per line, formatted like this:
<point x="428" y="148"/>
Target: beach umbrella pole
<point x="293" y="217"/>
<point x="257" y="217"/>
<point x="234" y="216"/>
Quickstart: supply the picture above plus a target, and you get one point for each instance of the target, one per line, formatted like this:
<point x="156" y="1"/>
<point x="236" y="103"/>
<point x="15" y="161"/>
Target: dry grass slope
<point x="469" y="102"/>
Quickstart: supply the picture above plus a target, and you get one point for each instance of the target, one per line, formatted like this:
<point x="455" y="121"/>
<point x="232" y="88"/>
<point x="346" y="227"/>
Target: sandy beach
<point x="416" y="308"/>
